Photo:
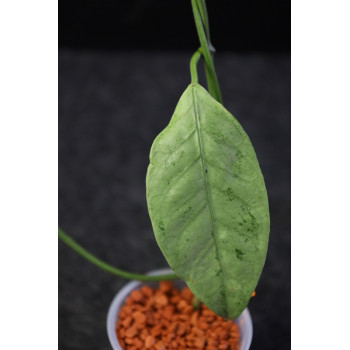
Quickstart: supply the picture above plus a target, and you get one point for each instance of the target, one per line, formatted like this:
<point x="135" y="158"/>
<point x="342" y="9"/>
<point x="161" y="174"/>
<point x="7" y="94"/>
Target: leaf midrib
<point x="201" y="155"/>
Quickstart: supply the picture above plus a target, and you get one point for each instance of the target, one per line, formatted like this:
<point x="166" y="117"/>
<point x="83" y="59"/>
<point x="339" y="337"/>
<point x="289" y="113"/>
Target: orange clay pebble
<point x="149" y="342"/>
<point x="160" y="346"/>
<point x="194" y="318"/>
<point x="146" y="291"/>
<point x="139" y="317"/>
<point x="181" y="305"/>
<point x="187" y="295"/>
<point x="136" y="295"/>
<point x="161" y="300"/>
<point x="165" y="286"/>
<point x="131" y="332"/>
<point x="138" y="343"/>
<point x="127" y="322"/>
<point x="164" y="319"/>
<point x="199" y="343"/>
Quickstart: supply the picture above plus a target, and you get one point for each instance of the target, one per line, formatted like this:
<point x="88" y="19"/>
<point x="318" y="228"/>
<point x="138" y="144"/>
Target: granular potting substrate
<point x="164" y="319"/>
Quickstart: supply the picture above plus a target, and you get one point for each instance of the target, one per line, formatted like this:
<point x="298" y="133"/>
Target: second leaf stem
<point x="193" y="66"/>
<point x="106" y="267"/>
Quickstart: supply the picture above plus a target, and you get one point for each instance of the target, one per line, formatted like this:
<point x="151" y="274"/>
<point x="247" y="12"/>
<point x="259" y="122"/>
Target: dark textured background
<point x="111" y="107"/>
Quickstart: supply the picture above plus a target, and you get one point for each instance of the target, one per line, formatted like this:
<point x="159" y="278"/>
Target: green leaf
<point x="208" y="204"/>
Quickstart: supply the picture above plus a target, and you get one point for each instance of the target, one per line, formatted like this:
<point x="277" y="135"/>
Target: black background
<point x="122" y="68"/>
<point x="251" y="25"/>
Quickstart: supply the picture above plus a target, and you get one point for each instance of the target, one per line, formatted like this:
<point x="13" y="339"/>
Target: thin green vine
<point x="193" y="66"/>
<point x="204" y="15"/>
<point x="202" y="25"/>
<point x="106" y="267"/>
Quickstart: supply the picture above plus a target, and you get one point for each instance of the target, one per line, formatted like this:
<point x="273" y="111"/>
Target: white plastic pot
<point x="244" y="321"/>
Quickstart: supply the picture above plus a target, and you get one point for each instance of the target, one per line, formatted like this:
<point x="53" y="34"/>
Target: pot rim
<point x="244" y="321"/>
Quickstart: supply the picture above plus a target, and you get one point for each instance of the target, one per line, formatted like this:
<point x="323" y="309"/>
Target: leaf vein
<point x="178" y="176"/>
<point x="188" y="223"/>
<point x="224" y="170"/>
<point x="178" y="145"/>
<point x="196" y="114"/>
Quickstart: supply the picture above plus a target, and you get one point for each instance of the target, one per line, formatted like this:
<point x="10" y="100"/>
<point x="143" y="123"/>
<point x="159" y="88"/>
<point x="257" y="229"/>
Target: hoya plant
<point x="206" y="195"/>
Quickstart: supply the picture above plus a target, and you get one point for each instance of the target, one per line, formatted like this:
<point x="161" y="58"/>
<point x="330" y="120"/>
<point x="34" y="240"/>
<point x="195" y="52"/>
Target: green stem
<point x="201" y="21"/>
<point x="196" y="303"/>
<point x="193" y="66"/>
<point x="106" y="267"/>
<point x="205" y="20"/>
